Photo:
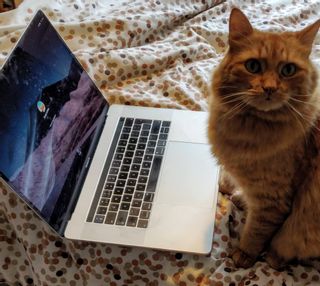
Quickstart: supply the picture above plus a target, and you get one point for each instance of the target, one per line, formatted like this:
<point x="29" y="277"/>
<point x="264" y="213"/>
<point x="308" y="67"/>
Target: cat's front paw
<point x="241" y="259"/>
<point x="274" y="260"/>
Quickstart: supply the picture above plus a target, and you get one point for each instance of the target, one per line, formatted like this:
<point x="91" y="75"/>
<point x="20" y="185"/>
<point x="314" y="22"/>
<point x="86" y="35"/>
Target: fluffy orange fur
<point x="264" y="111"/>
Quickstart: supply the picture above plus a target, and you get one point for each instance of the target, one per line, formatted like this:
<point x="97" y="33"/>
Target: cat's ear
<point x="308" y="34"/>
<point x="239" y="27"/>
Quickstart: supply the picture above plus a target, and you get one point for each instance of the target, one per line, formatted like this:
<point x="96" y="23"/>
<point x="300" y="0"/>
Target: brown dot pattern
<point x="148" y="53"/>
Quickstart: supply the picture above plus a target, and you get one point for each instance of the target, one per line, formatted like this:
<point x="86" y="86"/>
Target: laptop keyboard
<point x="131" y="173"/>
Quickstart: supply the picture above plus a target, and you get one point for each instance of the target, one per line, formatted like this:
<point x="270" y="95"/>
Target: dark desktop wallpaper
<point x="48" y="113"/>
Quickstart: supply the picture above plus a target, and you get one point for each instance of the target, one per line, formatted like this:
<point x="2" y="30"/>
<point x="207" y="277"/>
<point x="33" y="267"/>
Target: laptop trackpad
<point x="188" y="175"/>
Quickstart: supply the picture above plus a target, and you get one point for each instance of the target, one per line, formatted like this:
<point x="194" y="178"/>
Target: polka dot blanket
<point x="149" y="53"/>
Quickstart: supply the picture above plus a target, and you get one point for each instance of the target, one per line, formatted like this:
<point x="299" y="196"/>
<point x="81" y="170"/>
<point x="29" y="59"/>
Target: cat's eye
<point x="288" y="70"/>
<point x="253" y="66"/>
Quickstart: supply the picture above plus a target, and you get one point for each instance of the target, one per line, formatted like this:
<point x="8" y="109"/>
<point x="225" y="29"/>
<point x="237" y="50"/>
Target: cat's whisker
<point x="301" y="101"/>
<point x="295" y="110"/>
<point x="304" y="131"/>
<point x="239" y="110"/>
<point x="302" y="95"/>
<point x="237" y="94"/>
<point x="228" y="86"/>
<point x="235" y="110"/>
<point x="230" y="111"/>
<point x="306" y="118"/>
<point x="231" y="100"/>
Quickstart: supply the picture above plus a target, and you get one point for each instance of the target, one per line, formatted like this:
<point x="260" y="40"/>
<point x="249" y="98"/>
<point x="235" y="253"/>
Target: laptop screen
<point x="49" y="112"/>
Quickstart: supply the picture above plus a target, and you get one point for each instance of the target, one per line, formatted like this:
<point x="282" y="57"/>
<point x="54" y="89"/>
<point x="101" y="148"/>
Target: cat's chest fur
<point x="267" y="158"/>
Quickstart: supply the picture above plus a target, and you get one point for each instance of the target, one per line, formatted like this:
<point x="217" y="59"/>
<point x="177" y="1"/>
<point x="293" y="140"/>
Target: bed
<point x="148" y="53"/>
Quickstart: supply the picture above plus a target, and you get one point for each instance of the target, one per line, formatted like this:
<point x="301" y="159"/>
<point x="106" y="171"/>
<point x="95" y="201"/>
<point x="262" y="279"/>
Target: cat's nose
<point x="269" y="90"/>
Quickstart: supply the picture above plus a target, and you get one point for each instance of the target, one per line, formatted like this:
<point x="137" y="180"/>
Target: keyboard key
<point x="159" y="151"/>
<point x="127" y="161"/>
<point x="136" y="127"/>
<point x="127" y="198"/>
<point x="144" y="214"/>
<point x="123" y="175"/>
<point x="141" y="121"/>
<point x="135" y="134"/>
<point x="148" y="197"/>
<point x="137" y="160"/>
<point x="146" y="206"/>
<point x="104" y="202"/>
<point x="111" y="216"/>
<point x="166" y="130"/>
<point x="145" y="133"/>
<point x="116" y="163"/>
<point x="126" y="129"/>
<point x="135" y="167"/>
<point x="156" y="126"/>
<point x="131" y="182"/>
<point x="132" y="221"/>
<point x="116" y="199"/>
<point x="154" y="173"/>
<point x="152" y="144"/>
<point x="138" y="195"/>
<point x="125" y="206"/>
<point x="143" y="139"/>
<point x="142" y="180"/>
<point x="136" y="203"/>
<point x="124" y="136"/>
<point x="114" y="207"/>
<point x="141" y="146"/>
<point x="118" y="191"/>
<point x="129" y="154"/>
<point x="109" y="186"/>
<point x="122" y="217"/>
<point x="146" y="164"/>
<point x="144" y="172"/>
<point x="139" y="153"/>
<point x="142" y="223"/>
<point x="163" y="136"/>
<point x="122" y="143"/>
<point x="102" y="210"/>
<point x="121" y="149"/>
<point x="106" y="194"/>
<point x="128" y="122"/>
<point x="114" y="171"/>
<point x="129" y="190"/>
<point x="166" y="123"/>
<point x="98" y="219"/>
<point x="111" y="179"/>
<point x="153" y="137"/>
<point x="141" y="187"/>
<point x="161" y="143"/>
<point x="134" y="211"/>
<point x="148" y="157"/>
<point x="146" y="126"/>
<point x="121" y="183"/>
<point x="131" y="147"/>
<point x="150" y="151"/>
<point x="125" y="168"/>
<point x="133" y="140"/>
<point x="133" y="175"/>
<point x="118" y="156"/>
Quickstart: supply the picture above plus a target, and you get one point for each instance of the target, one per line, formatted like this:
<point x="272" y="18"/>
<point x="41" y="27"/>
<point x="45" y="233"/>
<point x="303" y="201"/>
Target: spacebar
<point x="154" y="174"/>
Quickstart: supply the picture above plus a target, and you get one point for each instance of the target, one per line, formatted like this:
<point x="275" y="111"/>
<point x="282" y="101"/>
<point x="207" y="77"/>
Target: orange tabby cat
<point x="263" y="122"/>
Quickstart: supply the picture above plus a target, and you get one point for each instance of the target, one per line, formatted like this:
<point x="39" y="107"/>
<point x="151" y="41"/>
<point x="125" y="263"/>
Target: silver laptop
<point x="115" y="174"/>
